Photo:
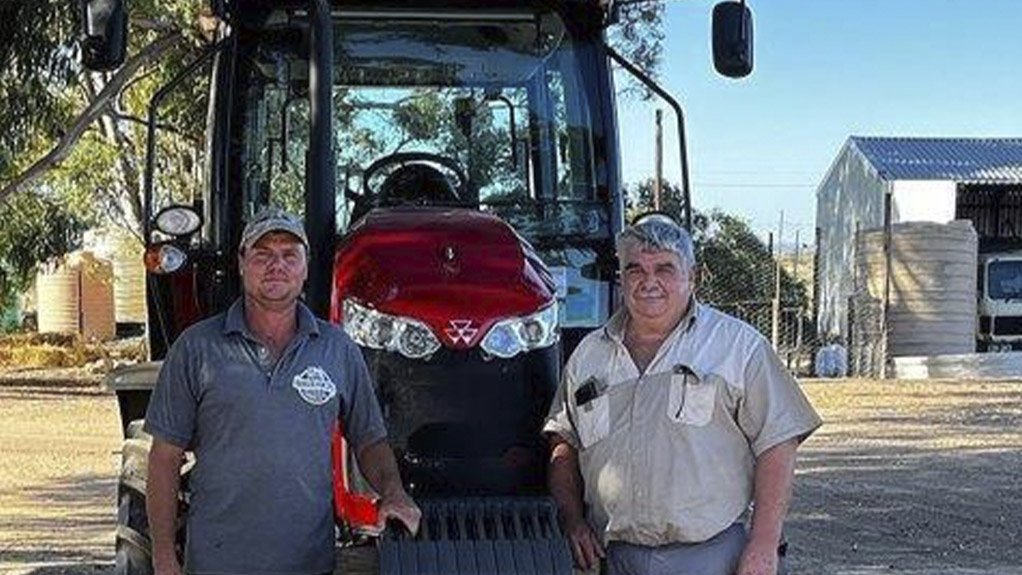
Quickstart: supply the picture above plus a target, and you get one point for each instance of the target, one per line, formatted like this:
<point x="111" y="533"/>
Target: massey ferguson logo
<point x="461" y="331"/>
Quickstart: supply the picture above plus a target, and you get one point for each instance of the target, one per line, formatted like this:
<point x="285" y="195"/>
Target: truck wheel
<point x="133" y="550"/>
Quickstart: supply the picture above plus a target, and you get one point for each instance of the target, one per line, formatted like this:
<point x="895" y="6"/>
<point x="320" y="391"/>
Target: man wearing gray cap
<point x="255" y="393"/>
<point x="669" y="422"/>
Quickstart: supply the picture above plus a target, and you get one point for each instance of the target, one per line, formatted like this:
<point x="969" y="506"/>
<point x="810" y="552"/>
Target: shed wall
<point x="850" y="198"/>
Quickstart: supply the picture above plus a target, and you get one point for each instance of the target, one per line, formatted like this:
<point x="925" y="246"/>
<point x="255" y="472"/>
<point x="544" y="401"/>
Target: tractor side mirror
<point x="732" y="39"/>
<point x="105" y="33"/>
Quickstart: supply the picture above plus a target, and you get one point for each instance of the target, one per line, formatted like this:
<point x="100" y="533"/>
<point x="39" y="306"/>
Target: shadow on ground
<point x="63" y="526"/>
<point x="935" y="491"/>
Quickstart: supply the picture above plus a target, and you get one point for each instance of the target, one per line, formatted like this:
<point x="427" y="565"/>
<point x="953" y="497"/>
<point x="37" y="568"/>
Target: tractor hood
<point x="458" y="271"/>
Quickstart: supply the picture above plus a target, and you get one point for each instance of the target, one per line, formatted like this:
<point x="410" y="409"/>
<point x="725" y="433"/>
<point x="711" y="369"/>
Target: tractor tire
<point x="133" y="549"/>
<point x="133" y="555"/>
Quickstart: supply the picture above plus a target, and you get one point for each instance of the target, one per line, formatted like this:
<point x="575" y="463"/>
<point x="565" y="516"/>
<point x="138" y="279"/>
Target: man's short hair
<point x="658" y="233"/>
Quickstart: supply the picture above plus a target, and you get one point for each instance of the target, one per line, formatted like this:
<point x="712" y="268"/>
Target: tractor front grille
<point x="499" y="535"/>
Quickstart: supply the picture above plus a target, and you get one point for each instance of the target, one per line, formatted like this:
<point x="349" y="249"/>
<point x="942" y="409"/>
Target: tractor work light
<point x="178" y="221"/>
<point x="377" y="330"/>
<point x="516" y="335"/>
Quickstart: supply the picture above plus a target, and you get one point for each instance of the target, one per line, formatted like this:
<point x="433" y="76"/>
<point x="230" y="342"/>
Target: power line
<point x="725" y="185"/>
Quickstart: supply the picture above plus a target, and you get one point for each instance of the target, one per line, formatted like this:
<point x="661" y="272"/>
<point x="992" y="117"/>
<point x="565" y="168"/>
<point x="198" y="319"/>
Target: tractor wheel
<point x="133" y="550"/>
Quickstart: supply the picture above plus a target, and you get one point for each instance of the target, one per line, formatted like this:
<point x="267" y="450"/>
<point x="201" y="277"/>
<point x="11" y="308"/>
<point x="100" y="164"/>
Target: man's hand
<point x="758" y="558"/>
<point x="775" y="469"/>
<point x="565" y="484"/>
<point x="377" y="463"/>
<point x="401" y="507"/>
<point x="585" y="545"/>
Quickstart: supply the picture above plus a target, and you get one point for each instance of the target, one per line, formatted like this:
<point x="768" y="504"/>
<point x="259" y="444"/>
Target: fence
<point x="767" y="283"/>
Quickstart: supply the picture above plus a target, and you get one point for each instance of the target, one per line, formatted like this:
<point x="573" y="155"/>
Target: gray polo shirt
<point x="261" y="488"/>
<point x="669" y="455"/>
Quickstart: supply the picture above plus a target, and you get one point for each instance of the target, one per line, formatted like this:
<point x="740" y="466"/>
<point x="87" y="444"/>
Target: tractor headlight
<point x="370" y="328"/>
<point x="164" y="258"/>
<point x="510" y="337"/>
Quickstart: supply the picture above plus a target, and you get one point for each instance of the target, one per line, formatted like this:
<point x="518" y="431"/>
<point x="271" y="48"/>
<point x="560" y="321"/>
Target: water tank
<point x="125" y="252"/>
<point x="75" y="295"/>
<point x="932" y="306"/>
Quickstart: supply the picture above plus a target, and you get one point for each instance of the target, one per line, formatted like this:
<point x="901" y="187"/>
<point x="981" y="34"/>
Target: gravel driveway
<point x="905" y="477"/>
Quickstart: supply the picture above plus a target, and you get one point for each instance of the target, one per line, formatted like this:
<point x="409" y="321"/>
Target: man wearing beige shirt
<point x="671" y="422"/>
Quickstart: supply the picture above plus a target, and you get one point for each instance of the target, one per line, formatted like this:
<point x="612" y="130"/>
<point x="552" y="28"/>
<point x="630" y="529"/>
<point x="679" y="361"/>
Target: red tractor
<point x="456" y="164"/>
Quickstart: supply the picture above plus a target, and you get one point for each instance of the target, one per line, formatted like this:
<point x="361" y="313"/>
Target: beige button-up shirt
<point x="668" y="455"/>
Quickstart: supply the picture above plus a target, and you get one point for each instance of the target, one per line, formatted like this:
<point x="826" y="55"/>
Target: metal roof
<point x="964" y="160"/>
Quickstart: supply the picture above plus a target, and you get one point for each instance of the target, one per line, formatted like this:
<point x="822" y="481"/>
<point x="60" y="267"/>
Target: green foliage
<point x="43" y="89"/>
<point x="33" y="228"/>
<point x="421" y="116"/>
<point x="737" y="265"/>
<point x="37" y="68"/>
<point x="639" y="37"/>
<point x="84" y="182"/>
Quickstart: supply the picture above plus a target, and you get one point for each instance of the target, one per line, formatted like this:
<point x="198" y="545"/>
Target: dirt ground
<point x="905" y="477"/>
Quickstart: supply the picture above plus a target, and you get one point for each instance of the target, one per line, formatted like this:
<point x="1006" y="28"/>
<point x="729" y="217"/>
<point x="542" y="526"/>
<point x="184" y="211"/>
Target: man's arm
<point x="566" y="487"/>
<point x="775" y="471"/>
<point x="377" y="463"/>
<point x="161" y="504"/>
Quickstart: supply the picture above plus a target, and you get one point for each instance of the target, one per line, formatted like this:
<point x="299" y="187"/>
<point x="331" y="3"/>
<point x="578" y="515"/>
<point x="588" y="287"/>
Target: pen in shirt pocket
<point x="685" y="372"/>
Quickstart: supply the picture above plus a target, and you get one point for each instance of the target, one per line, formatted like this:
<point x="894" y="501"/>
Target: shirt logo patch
<point x="314" y="385"/>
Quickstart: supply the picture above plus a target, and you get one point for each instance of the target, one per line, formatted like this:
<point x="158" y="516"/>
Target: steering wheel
<point x="381" y="195"/>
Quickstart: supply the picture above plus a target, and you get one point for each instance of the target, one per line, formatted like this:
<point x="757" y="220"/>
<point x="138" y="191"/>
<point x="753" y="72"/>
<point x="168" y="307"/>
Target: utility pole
<point x="799" y="328"/>
<point x="658" y="183"/>
<point x="775" y="329"/>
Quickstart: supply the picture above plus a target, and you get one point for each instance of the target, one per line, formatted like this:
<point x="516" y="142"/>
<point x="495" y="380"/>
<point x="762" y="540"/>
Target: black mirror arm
<point x="154" y="103"/>
<point x="679" y="113"/>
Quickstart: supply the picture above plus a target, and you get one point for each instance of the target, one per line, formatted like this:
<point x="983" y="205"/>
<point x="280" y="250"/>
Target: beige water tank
<point x="125" y="252"/>
<point x="75" y="295"/>
<point x="932" y="309"/>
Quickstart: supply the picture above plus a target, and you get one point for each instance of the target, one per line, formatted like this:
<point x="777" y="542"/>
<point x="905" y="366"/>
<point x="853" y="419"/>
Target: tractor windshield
<point x="486" y="110"/>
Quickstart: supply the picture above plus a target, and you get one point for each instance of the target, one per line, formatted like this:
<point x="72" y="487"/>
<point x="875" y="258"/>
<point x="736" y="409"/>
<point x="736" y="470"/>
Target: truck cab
<point x="999" y="294"/>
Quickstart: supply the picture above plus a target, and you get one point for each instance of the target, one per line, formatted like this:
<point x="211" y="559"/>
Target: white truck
<point x="999" y="293"/>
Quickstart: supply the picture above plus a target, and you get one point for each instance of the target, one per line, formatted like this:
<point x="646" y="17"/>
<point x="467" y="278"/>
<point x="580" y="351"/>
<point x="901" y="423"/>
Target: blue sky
<point x="826" y="70"/>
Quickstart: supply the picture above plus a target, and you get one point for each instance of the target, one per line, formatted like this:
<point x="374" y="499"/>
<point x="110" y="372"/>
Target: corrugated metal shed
<point x="963" y="160"/>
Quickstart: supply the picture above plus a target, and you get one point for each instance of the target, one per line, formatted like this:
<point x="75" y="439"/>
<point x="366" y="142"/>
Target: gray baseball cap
<point x="272" y="219"/>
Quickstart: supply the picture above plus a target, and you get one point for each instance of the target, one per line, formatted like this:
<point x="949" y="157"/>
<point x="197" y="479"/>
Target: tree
<point x="71" y="141"/>
<point x="640" y="38"/>
<point x="58" y="115"/>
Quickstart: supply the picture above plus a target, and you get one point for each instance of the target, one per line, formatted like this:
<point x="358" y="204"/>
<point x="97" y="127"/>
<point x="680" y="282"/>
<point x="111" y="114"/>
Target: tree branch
<point x="151" y="24"/>
<point x="92" y="112"/>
